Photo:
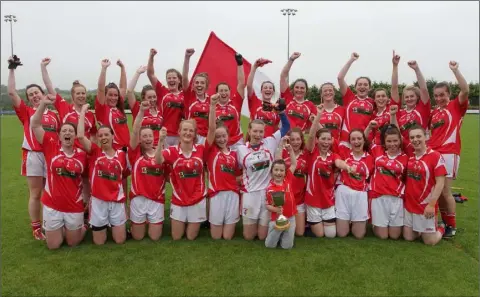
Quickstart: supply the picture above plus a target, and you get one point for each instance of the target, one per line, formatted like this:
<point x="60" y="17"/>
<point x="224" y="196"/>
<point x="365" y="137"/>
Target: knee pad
<point x="95" y="228"/>
<point x="330" y="231"/>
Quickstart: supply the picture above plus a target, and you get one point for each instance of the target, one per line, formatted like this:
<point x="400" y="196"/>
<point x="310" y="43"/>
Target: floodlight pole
<point x="11" y="19"/>
<point x="288" y="12"/>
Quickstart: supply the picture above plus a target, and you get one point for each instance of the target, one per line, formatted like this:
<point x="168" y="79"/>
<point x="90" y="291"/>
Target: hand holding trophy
<point x="282" y="223"/>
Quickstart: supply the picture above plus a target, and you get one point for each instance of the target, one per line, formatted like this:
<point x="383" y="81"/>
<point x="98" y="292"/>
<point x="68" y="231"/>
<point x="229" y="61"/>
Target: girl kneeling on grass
<point x="281" y="182"/>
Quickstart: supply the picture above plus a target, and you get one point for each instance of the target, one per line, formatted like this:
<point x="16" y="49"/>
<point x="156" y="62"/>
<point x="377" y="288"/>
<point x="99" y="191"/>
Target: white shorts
<point x="452" y="163"/>
<point x="234" y="146"/>
<point x="419" y="223"/>
<point x="171" y="141"/>
<point x="387" y="211"/>
<point x="33" y="164"/>
<point x="54" y="219"/>
<point x="351" y="205"/>
<point x="196" y="213"/>
<point x="224" y="208"/>
<point x="104" y="213"/>
<point x="201" y="139"/>
<point x="254" y="209"/>
<point x="318" y="215"/>
<point x="143" y="209"/>
<point x="301" y="208"/>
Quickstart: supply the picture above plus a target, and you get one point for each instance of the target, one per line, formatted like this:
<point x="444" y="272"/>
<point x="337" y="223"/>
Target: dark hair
<point x="145" y="89"/>
<point x="278" y="162"/>
<point x="299" y="131"/>
<point x="256" y="121"/>
<point x="104" y="126"/>
<point x="69" y="124"/>
<point x="139" y="133"/>
<point x="442" y="84"/>
<point x="366" y="143"/>
<point x="267" y="82"/>
<point x="321" y="131"/>
<point x="76" y="84"/>
<point x="179" y="75"/>
<point x="301" y="80"/>
<point x="33" y="86"/>
<point x="120" y="99"/>
<point x="327" y="84"/>
<point x="221" y="83"/>
<point x="389" y="130"/>
<point x="220" y="124"/>
<point x="364" y="77"/>
<point x="379" y="90"/>
<point x="417" y="127"/>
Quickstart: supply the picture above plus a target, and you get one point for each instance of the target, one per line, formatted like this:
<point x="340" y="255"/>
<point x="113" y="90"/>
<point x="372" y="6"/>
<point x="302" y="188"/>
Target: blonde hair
<point x="204" y="75"/>
<point x="193" y="123"/>
<point x="256" y="121"/>
<point x="415" y="89"/>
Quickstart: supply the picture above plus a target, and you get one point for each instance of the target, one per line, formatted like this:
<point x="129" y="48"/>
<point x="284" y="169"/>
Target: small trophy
<point x="282" y="223"/>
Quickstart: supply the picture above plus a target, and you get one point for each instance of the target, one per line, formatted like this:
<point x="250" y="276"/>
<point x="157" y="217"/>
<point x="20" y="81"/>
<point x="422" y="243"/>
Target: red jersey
<point x="198" y="110"/>
<point x="299" y="180"/>
<point x="106" y="174"/>
<point x="358" y="113"/>
<point x="63" y="188"/>
<point x="148" y="179"/>
<point x="222" y="168"/>
<point x="421" y="173"/>
<point x="289" y="207"/>
<point x="321" y="180"/>
<point x="230" y="115"/>
<point x="382" y="119"/>
<point x="170" y="107"/>
<point x="50" y="124"/>
<point x="153" y="121"/>
<point x="357" y="180"/>
<point x="298" y="113"/>
<point x="407" y="119"/>
<point x="389" y="175"/>
<point x="445" y="125"/>
<point x="117" y="120"/>
<point x="68" y="114"/>
<point x="186" y="175"/>
<point x="270" y="118"/>
<point x="333" y="120"/>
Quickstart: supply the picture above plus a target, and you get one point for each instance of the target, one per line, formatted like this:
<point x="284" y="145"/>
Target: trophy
<point x="282" y="223"/>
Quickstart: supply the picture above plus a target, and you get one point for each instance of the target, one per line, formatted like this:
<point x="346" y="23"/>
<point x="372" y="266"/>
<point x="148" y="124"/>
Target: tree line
<point x="313" y="93"/>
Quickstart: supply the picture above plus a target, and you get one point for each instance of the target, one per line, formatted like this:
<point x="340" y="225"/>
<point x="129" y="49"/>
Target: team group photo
<point x="180" y="151"/>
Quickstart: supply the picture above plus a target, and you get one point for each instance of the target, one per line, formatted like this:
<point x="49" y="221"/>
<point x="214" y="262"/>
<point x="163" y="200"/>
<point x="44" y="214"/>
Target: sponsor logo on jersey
<point x="227" y="117"/>
<point x="295" y="114"/>
<point x="386" y="171"/>
<point x="64" y="172"/>
<point x="438" y="124"/>
<point x="331" y="126"/>
<point x="107" y="175"/>
<point x="414" y="175"/>
<point x="154" y="127"/>
<point x="49" y="127"/>
<point x="189" y="174"/>
<point x="299" y="173"/>
<point x="362" y="110"/>
<point x="121" y="121"/>
<point x="200" y="114"/>
<point x="152" y="171"/>
<point x="227" y="169"/>
<point x="355" y="176"/>
<point x="260" y="165"/>
<point x="408" y="125"/>
<point x="323" y="173"/>
<point x="175" y="105"/>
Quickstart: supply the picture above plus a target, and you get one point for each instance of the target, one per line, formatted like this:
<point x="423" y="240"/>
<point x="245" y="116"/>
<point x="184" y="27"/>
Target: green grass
<point x="314" y="267"/>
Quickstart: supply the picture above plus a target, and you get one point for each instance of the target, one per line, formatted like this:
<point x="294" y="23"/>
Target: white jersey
<point x="256" y="163"/>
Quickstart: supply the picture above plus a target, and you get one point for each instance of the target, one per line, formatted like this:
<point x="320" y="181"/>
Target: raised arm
<point x="251" y="77"/>
<point x="123" y="79"/>
<point x="158" y="152"/>
<point x="212" y="119"/>
<point x="46" y="77"/>
<point x="394" y="90"/>
<point x="424" y="96"/>
<point x="133" y="84"/>
<point x="186" y="67"/>
<point x="393" y="115"/>
<point x="462" y="83"/>
<point x="240" y="75"/>
<point x="36" y="121"/>
<point x="151" y="69"/>
<point x="293" y="158"/>
<point x="137" y="124"/>
<point x="286" y="70"/>
<point x="102" y="80"/>
<point x="314" y="128"/>
<point x="84" y="141"/>
<point x="343" y="72"/>
<point x="281" y="146"/>
<point x="371" y="125"/>
<point x="12" y="91"/>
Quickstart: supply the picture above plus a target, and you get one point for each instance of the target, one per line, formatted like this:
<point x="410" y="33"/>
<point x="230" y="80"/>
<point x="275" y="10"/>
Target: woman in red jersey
<point x="358" y="107"/>
<point x="417" y="103"/>
<point x="147" y="192"/>
<point x="108" y="167"/>
<point x="351" y="200"/>
<point x="62" y="201"/>
<point x="387" y="184"/>
<point x="188" y="207"/>
<point x="380" y="120"/>
<point x="169" y="99"/>
<point x="296" y="141"/>
<point x="33" y="160"/>
<point x="322" y="162"/>
<point x="262" y="109"/>
<point x="299" y="110"/>
<point x="223" y="169"/>
<point x="152" y="118"/>
<point x="196" y="99"/>
<point x="445" y="125"/>
<point x="229" y="108"/>
<point x="424" y="183"/>
<point x="332" y="114"/>
<point x="69" y="113"/>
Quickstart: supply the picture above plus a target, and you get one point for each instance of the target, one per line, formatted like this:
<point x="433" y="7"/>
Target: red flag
<point x="218" y="61"/>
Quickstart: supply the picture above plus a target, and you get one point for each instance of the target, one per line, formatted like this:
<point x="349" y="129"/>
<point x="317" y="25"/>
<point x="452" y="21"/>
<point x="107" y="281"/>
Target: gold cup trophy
<point x="282" y="223"/>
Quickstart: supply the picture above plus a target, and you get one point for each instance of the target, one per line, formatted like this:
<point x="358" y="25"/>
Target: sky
<point x="77" y="35"/>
